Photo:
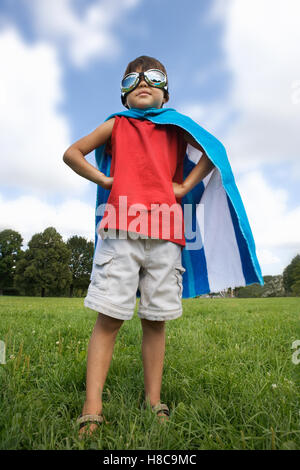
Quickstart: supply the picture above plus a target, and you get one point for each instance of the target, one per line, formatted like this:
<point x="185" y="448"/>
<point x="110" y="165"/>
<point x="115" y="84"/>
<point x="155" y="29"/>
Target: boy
<point x="146" y="168"/>
<point x="106" y="329"/>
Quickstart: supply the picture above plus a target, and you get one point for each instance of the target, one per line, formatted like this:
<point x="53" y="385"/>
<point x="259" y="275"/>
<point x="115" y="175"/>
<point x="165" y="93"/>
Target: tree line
<point x="48" y="267"/>
<point x="52" y="267"/>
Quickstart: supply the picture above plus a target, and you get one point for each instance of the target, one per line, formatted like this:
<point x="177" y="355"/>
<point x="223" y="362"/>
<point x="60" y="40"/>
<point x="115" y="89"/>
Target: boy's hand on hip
<point x="179" y="189"/>
<point x="106" y="181"/>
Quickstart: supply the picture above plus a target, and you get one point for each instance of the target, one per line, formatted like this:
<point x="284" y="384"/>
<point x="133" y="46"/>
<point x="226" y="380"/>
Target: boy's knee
<point x="152" y="324"/>
<point x="109" y="323"/>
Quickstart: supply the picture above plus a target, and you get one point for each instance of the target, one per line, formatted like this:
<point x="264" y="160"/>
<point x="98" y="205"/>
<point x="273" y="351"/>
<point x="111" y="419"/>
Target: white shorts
<point x="121" y="266"/>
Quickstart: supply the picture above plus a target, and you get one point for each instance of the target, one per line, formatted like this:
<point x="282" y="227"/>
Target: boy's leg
<point x="153" y="352"/>
<point x="100" y="352"/>
<point x="161" y="292"/>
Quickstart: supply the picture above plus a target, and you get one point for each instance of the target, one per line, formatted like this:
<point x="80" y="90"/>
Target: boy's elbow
<point x="67" y="156"/>
<point x="72" y="154"/>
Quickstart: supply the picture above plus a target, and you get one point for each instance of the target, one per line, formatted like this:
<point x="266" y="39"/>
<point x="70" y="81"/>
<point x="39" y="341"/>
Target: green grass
<point x="229" y="379"/>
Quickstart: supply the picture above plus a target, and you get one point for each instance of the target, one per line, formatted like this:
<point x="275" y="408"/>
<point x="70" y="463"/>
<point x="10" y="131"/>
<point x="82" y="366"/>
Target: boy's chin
<point x="142" y="106"/>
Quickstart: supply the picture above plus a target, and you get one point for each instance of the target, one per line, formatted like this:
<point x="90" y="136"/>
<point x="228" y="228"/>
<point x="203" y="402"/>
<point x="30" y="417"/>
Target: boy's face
<point x="145" y="96"/>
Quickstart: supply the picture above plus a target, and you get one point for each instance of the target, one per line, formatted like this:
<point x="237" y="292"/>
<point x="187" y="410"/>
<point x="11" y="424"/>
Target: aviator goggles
<point x="154" y="77"/>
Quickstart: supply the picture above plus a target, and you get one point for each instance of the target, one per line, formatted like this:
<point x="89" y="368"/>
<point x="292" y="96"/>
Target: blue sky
<point x="232" y="71"/>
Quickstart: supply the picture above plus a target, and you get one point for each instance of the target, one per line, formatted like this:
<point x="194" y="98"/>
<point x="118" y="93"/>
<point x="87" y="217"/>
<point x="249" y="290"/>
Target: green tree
<point x="10" y="252"/>
<point x="253" y="290"/>
<point x="296" y="288"/>
<point x="81" y="262"/>
<point x="291" y="275"/>
<point x="273" y="287"/>
<point x="45" y="265"/>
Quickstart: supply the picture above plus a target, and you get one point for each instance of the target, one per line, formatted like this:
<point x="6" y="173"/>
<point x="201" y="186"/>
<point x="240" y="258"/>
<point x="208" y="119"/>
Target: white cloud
<point x="29" y="215"/>
<point x="260" y="44"/>
<point x="267" y="258"/>
<point x="34" y="134"/>
<point x="276" y="229"/>
<point x="85" y="37"/>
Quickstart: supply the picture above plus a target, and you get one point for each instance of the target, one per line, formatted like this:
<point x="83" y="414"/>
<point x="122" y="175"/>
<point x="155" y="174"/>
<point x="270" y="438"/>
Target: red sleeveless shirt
<point x="146" y="158"/>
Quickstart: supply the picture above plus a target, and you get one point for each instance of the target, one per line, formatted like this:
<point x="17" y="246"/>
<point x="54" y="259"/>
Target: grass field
<point x="229" y="379"/>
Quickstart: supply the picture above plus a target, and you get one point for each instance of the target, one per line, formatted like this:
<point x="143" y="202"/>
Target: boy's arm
<point x="74" y="155"/>
<point x="202" y="169"/>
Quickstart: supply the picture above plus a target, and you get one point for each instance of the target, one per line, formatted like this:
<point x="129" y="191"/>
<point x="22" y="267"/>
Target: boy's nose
<point x="143" y="82"/>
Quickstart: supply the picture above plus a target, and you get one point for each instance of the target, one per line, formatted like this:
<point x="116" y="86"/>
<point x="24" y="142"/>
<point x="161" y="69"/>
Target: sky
<point x="233" y="66"/>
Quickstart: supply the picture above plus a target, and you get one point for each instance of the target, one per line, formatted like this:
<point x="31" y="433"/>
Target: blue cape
<point x="224" y="253"/>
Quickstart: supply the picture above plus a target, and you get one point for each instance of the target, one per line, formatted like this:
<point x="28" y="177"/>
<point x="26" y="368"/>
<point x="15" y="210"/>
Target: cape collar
<point x="140" y="113"/>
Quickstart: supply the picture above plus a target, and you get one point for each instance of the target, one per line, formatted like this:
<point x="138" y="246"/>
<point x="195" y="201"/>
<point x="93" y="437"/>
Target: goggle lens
<point x="129" y="81"/>
<point x="153" y="77"/>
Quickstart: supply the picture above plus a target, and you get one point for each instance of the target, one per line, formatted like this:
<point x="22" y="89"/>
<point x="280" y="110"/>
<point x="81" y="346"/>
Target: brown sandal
<point x="161" y="408"/>
<point x="83" y="420"/>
